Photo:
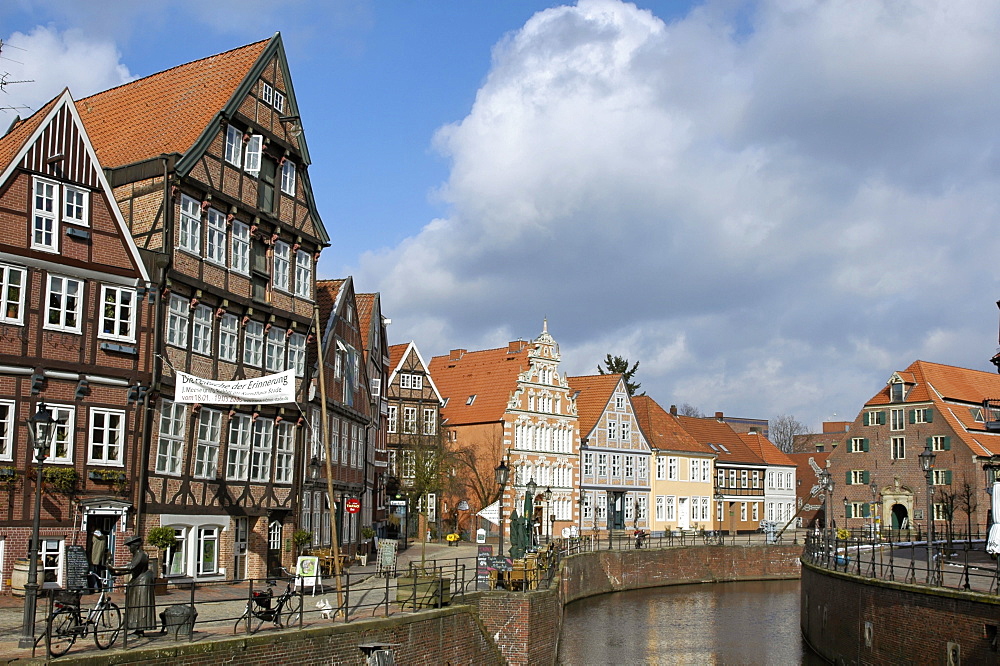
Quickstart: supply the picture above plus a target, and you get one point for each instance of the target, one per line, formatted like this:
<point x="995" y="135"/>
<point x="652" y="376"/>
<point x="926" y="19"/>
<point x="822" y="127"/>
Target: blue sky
<point x="770" y="205"/>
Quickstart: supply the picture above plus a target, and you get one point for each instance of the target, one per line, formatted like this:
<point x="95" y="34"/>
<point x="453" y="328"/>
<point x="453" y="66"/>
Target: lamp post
<point x="927" y="464"/>
<point x="874" y="489"/>
<point x="529" y="520"/>
<point x="826" y="483"/>
<point x="501" y="473"/>
<point x="41" y="428"/>
<point x="548" y="509"/>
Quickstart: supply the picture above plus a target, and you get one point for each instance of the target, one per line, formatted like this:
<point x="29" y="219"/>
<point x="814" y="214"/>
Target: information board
<point x="77" y="568"/>
<point x="483" y="555"/>
<point x="386" y="556"/>
<point x="307" y="572"/>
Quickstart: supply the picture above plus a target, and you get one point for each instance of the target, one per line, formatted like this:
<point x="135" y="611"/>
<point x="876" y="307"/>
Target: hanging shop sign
<point x="352" y="505"/>
<point x="266" y="390"/>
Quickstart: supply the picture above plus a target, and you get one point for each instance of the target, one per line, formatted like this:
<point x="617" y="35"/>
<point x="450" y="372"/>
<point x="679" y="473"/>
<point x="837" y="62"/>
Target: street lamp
<point x="927" y="464"/>
<point x="874" y="489"/>
<point x="548" y="508"/>
<point x="529" y="520"/>
<point x="501" y="473"/>
<point x="826" y="484"/>
<point x="41" y="429"/>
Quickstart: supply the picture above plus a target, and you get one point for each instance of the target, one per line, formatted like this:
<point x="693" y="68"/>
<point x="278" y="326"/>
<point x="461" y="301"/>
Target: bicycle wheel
<point x="108" y="626"/>
<point x="292" y="612"/>
<point x="60" y="629"/>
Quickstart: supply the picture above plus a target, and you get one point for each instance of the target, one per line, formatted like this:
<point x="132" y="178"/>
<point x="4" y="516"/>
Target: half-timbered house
<point x="376" y="352"/>
<point x="73" y="317"/>
<point x="209" y="165"/>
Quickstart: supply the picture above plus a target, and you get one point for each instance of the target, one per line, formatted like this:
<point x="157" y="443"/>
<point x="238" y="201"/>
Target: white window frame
<point x="208" y="536"/>
<point x="7" y="430"/>
<point x="673" y="469"/>
<point x="177" y="321"/>
<point x="404" y="380"/>
<point x="284" y="447"/>
<point x="274" y="350"/>
<point x="612" y="430"/>
<point x="625" y="430"/>
<point x="118" y="306"/>
<point x="661" y="468"/>
<point x="303" y="274"/>
<point x="897" y="418"/>
<point x="429" y="423"/>
<point x="253" y="344"/>
<point x="111" y="433"/>
<point x="52" y="562"/>
<point x="279" y="101"/>
<point x="234" y="146"/>
<point x="64" y="438"/>
<point x="391" y="418"/>
<point x="240" y="248"/>
<point x="229" y="336"/>
<point x="45" y="215"/>
<point x="660" y="508"/>
<point x="261" y="446"/>
<point x="215" y="237"/>
<point x="282" y="261"/>
<point x="77" y="210"/>
<point x="588" y="464"/>
<point x="409" y="420"/>
<point x="266" y="93"/>
<point x="288" y="177"/>
<point x="252" y="157"/>
<point x="12" y="294"/>
<point x="602" y="464"/>
<point x="70" y="305"/>
<point x="694" y="465"/>
<point x="706" y="471"/>
<point x="297" y="354"/>
<point x="177" y="554"/>
<point x="897" y="448"/>
<point x="206" y="461"/>
<point x="201" y="330"/>
<point x="671" y="508"/>
<point x="238" y="449"/>
<point x="171" y="436"/>
<point x="189" y="225"/>
<point x="629" y="467"/>
<point x="417" y="382"/>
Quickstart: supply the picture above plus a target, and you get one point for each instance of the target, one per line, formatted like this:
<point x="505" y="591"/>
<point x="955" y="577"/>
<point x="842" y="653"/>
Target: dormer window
<point x="897" y="391"/>
<point x="266" y="93"/>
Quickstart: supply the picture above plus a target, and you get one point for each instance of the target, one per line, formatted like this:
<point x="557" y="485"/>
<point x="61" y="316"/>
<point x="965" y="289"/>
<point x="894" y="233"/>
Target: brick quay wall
<point x="491" y="628"/>
<point x="853" y="620"/>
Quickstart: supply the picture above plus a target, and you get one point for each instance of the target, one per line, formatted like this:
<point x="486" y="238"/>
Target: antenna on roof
<point x="5" y="79"/>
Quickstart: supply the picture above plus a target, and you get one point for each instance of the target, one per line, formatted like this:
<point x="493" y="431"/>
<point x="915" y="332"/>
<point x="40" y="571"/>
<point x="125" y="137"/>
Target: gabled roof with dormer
<point x="956" y="393"/>
<point x="721" y="439"/>
<point x="54" y="143"/>
<point x="663" y="430"/>
<point x="478" y="385"/>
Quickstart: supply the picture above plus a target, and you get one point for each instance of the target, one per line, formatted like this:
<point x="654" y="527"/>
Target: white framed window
<point x="253" y="344"/>
<point x="61" y="448"/>
<point x="410" y="420"/>
<point x="376" y="386"/>
<point x="260" y="453"/>
<point x="240" y="248"/>
<point x="673" y="469"/>
<point x="266" y="92"/>
<point x="940" y="443"/>
<point x="694" y="466"/>
<point x="238" y="454"/>
<point x="743" y="511"/>
<point x="117" y="313"/>
<point x="612" y="430"/>
<point x="602" y="464"/>
<point x="303" y="274"/>
<point x="7" y="430"/>
<point x="45" y="216"/>
<point x="208" y="551"/>
<point x="63" y="304"/>
<point x="409" y="464"/>
<point x="744" y="479"/>
<point x="671" y="507"/>
<point x="170" y="446"/>
<point x="189" y="225"/>
<point x="229" y="331"/>
<point x="942" y="477"/>
<point x="206" y="459"/>
<point x="107" y="436"/>
<point x="391" y="417"/>
<point x="12" y="283"/>
<point x="404" y="381"/>
<point x="619" y="402"/>
<point x="430" y="421"/>
<point x="274" y="359"/>
<point x="288" y="177"/>
<point x="643" y="467"/>
<point x="756" y="479"/>
<point x="616" y="466"/>
<point x="706" y="471"/>
<point x="660" y="508"/>
<point x="588" y="464"/>
<point x="755" y="511"/>
<point x="201" y="330"/>
<point x="215" y="239"/>
<point x="920" y="416"/>
<point x="297" y="354"/>
<point x="177" y="321"/>
<point x="417" y="382"/>
<point x="626" y="430"/>
<point x="898" y="447"/>
<point x="284" y="452"/>
<point x="177" y="554"/>
<point x="629" y="467"/>
<point x="661" y="468"/>
<point x="279" y="101"/>
<point x="282" y="261"/>
<point x="234" y="146"/>
<point x="76" y="205"/>
<point x="896" y="420"/>
<point x="251" y="160"/>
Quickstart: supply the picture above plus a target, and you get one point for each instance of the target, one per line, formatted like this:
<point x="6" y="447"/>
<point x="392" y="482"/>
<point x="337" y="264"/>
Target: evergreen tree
<point x="616" y="365"/>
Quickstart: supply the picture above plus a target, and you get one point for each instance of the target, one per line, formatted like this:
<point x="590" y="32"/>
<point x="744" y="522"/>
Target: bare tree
<point x="968" y="502"/>
<point x="475" y="463"/>
<point x="948" y="501"/>
<point x="783" y="429"/>
<point x="687" y="409"/>
<point x="423" y="463"/>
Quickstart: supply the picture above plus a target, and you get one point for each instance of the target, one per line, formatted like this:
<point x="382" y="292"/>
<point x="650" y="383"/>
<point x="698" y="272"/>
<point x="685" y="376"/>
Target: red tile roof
<point x="12" y="142"/>
<point x="365" y="303"/>
<point x="595" y="393"/>
<point x="764" y="448"/>
<point x="396" y="353"/>
<point x="327" y="292"/>
<point x="662" y="429"/>
<point x="489" y="374"/>
<point x="730" y="448"/>
<point x="165" y="112"/>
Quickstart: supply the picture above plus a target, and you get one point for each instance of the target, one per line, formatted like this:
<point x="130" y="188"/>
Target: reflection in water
<point x="725" y="623"/>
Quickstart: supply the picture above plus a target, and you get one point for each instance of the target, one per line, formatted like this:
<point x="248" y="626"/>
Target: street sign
<point x="397" y="502"/>
<point x="463" y="506"/>
<point x="352" y="505"/>
<point x="491" y="513"/>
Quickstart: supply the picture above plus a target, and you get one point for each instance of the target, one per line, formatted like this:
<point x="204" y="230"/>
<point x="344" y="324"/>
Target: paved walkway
<point x="219" y="605"/>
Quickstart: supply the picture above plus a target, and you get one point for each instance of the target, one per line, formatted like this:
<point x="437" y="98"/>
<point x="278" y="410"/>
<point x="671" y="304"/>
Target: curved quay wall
<point x="853" y="620"/>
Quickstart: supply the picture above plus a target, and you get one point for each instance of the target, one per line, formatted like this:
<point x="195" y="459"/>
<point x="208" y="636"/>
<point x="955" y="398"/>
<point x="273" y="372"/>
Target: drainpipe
<point x="163" y="264"/>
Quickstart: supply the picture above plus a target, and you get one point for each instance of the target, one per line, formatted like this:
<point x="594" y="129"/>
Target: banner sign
<point x="266" y="390"/>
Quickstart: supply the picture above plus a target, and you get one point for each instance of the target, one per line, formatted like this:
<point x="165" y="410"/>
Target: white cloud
<point x="50" y="61"/>
<point x="771" y="206"/>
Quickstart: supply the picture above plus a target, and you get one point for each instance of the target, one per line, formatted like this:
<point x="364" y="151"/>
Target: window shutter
<point x="865" y="478"/>
<point x="848" y="511"/>
<point x="946" y="443"/>
<point x="913" y="416"/>
<point x="867" y="418"/>
<point x="881" y="418"/>
<point x="865" y="445"/>
<point x="929" y="415"/>
<point x="947" y="477"/>
<point x="930" y="443"/>
<point x="848" y="477"/>
<point x="866" y="510"/>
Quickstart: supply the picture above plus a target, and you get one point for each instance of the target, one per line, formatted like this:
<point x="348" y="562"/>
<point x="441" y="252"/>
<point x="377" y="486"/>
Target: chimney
<point x="515" y="346"/>
<point x="457" y="354"/>
<point x="718" y="416"/>
<point x="673" y="410"/>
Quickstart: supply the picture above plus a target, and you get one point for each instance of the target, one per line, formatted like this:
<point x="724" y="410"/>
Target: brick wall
<point x="861" y="621"/>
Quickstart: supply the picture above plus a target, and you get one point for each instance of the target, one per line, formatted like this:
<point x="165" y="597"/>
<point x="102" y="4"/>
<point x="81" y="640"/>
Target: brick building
<point x="375" y="339"/>
<point x="73" y="316"/>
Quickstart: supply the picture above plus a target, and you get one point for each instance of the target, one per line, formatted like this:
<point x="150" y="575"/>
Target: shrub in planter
<point x="301" y="539"/>
<point x="62" y="479"/>
<point x="162" y="538"/>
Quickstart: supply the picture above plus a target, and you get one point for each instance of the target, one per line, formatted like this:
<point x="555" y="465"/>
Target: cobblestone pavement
<point x="219" y="606"/>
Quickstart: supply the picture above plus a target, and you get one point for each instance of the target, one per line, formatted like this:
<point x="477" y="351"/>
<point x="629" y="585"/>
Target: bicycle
<point x="283" y="610"/>
<point x="713" y="537"/>
<point x="66" y="623"/>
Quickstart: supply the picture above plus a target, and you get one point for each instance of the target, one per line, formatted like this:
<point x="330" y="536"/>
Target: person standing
<point x="140" y="602"/>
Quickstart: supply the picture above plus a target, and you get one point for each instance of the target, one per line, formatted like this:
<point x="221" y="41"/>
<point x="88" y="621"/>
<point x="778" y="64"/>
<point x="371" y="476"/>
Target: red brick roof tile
<point x="489" y="374"/>
<point x="663" y="430"/>
<point x="729" y="447"/>
<point x="766" y="449"/>
<point x="595" y="394"/>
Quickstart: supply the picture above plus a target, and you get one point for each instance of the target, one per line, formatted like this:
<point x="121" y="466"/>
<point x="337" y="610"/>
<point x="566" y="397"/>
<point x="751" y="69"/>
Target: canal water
<point x="723" y="623"/>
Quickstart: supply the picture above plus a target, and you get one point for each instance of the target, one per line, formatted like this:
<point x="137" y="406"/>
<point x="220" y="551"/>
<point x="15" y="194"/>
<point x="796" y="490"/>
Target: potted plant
<point x="62" y="479"/>
<point x="163" y="539"/>
<point x="301" y="539"/>
<point x="367" y="533"/>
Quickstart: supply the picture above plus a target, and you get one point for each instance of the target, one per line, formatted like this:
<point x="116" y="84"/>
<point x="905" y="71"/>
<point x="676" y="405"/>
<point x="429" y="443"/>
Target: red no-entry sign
<point x="353" y="505"/>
